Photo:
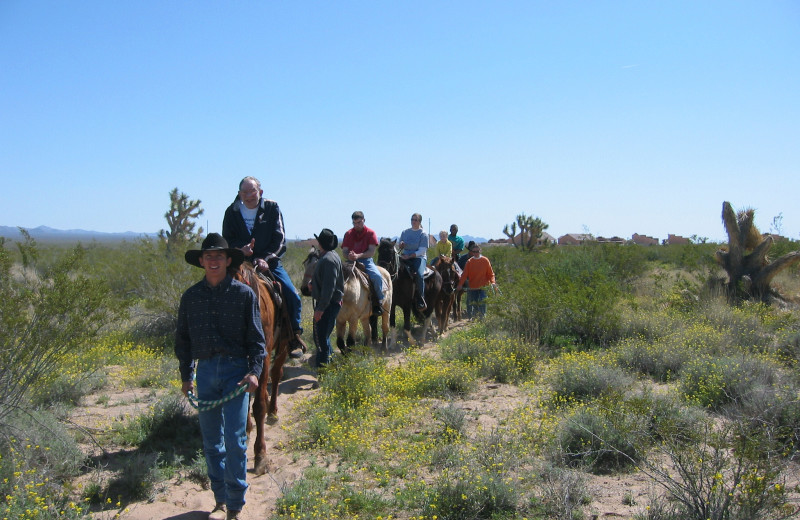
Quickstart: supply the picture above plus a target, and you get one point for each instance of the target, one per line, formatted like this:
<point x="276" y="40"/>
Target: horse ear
<point x="312" y="250"/>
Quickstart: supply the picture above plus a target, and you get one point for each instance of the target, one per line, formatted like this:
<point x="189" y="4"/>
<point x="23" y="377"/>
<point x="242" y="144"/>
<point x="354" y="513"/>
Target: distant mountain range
<point x="48" y="234"/>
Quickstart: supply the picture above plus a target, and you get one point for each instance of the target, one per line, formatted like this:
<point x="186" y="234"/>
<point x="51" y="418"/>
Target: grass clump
<point x="714" y="382"/>
<point x="598" y="439"/>
<point x="583" y="376"/>
<point x="498" y="357"/>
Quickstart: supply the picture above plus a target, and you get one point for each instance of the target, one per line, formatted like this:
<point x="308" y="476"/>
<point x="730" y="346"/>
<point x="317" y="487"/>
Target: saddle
<point x="357" y="270"/>
<point x="413" y="273"/>
<point x="274" y="287"/>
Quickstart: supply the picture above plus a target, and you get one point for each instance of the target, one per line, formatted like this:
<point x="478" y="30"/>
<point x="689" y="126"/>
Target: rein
<point x="203" y="406"/>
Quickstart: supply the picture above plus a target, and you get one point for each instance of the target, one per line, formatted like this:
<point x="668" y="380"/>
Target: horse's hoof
<point x="262" y="465"/>
<point x="272" y="419"/>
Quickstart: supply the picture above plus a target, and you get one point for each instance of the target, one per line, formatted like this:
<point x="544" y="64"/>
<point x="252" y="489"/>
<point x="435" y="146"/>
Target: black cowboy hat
<point x="327" y="239"/>
<point x="215" y="242"/>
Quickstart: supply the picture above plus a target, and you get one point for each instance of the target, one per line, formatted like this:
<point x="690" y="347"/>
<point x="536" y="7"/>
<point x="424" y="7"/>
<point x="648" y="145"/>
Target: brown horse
<point x="356" y="302"/>
<point x="405" y="288"/>
<point x="277" y="334"/>
<point x="447" y="295"/>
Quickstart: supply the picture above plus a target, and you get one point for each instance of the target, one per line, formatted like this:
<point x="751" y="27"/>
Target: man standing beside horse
<point x="413" y="251"/>
<point x="327" y="289"/>
<point x="358" y="245"/>
<point x="219" y="336"/>
<point x="255" y="225"/>
<point x="478" y="274"/>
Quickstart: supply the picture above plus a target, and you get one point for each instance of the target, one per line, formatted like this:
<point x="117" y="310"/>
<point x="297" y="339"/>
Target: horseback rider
<point x="414" y="247"/>
<point x="255" y="225"/>
<point x="358" y="245"/>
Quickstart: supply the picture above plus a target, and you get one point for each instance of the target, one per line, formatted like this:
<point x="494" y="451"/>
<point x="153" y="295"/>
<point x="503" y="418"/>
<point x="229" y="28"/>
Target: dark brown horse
<point x="277" y="333"/>
<point x="404" y="289"/>
<point x="447" y="270"/>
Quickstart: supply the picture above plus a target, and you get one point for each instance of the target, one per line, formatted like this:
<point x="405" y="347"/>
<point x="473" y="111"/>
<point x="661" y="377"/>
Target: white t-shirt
<point x="249" y="216"/>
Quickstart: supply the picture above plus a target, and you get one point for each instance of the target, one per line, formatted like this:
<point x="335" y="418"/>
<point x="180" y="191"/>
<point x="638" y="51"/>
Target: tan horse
<point x="356" y="303"/>
<point x="277" y="333"/>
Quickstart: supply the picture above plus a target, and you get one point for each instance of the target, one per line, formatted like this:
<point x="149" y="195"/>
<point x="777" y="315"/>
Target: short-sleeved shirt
<point x="359" y="242"/>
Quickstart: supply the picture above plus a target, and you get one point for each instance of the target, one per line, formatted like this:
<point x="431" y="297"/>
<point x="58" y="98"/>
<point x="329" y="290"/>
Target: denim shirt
<point x="219" y="320"/>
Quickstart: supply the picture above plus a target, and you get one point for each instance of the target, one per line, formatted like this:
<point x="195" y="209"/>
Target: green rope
<point x="203" y="406"/>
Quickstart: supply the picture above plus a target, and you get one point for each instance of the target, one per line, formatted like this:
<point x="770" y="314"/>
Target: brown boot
<point x="218" y="513"/>
<point x="233" y="515"/>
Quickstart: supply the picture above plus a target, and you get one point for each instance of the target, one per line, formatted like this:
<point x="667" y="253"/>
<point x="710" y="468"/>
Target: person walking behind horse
<point x="413" y="251"/>
<point x="478" y="274"/>
<point x="219" y="337"/>
<point x="442" y="247"/>
<point x="457" y="241"/>
<point x="358" y="245"/>
<point x="327" y="289"/>
<point x="255" y="225"/>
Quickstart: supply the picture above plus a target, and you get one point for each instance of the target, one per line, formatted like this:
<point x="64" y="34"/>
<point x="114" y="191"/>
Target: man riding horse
<point x="413" y="251"/>
<point x="358" y="245"/>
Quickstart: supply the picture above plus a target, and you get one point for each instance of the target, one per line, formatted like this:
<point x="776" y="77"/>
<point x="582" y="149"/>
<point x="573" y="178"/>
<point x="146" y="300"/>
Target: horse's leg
<point x="276" y="374"/>
<point x="340" y="329"/>
<point x="373" y="327"/>
<point x="407" y="321"/>
<point x="366" y="325"/>
<point x="259" y="415"/>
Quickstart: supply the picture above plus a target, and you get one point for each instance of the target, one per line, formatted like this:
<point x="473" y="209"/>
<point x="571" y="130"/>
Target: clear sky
<point x="608" y="117"/>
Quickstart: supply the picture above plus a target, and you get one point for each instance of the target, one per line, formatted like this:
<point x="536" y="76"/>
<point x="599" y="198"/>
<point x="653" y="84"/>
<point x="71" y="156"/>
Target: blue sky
<point x="610" y="117"/>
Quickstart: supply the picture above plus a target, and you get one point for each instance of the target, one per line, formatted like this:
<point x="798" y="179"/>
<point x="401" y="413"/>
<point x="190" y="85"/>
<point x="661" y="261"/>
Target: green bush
<point x="584" y="376"/>
<point x="714" y="382"/>
<point x="496" y="356"/>
<point x="569" y="292"/>
<point x="599" y="440"/>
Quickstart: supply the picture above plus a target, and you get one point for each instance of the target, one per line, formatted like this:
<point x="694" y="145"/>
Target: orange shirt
<point x="479" y="273"/>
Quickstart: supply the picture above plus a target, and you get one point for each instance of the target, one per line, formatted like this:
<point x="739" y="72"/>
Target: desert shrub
<point x="495" y="356"/>
<point x="773" y="412"/>
<point x="569" y="292"/>
<point x="661" y="359"/>
<point x="46" y="316"/>
<point x="44" y="497"/>
<point x="470" y="494"/>
<point x="562" y="494"/>
<point x="598" y="439"/>
<point x="319" y="494"/>
<point x="168" y="429"/>
<point x="725" y="475"/>
<point x="714" y="382"/>
<point x="662" y="416"/>
<point x="583" y="376"/>
<point x="422" y="376"/>
<point x="451" y="420"/>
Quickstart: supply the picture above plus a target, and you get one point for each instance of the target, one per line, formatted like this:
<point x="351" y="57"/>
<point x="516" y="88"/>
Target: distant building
<point x="612" y="240"/>
<point x="644" y="240"/>
<point x="677" y="239"/>
<point x="546" y="238"/>
<point x="574" y="239"/>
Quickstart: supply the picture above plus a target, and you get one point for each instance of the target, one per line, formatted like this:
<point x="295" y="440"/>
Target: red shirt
<point x="359" y="242"/>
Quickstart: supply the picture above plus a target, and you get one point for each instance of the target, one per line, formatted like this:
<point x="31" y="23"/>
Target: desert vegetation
<point x="594" y="360"/>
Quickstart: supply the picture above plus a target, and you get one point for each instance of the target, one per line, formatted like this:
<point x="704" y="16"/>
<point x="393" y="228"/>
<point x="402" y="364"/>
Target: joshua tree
<point x="530" y="231"/>
<point x="180" y="218"/>
<point x="745" y="260"/>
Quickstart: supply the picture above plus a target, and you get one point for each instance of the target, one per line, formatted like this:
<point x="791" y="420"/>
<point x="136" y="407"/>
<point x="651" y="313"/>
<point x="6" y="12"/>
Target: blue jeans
<point x="476" y="306"/>
<point x="224" y="428"/>
<point x="322" y="333"/>
<point x="375" y="276"/>
<point x="290" y="297"/>
<point x="418" y="265"/>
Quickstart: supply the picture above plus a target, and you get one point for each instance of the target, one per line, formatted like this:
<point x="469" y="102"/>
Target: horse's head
<point x="388" y="255"/>
<point x="448" y="272"/>
<point x="308" y="270"/>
